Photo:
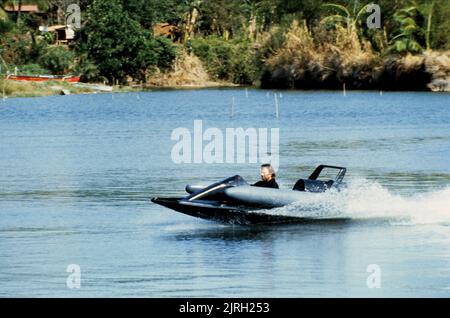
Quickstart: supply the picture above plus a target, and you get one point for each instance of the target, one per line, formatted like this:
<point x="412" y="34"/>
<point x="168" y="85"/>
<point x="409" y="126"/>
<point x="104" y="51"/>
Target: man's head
<point x="267" y="172"/>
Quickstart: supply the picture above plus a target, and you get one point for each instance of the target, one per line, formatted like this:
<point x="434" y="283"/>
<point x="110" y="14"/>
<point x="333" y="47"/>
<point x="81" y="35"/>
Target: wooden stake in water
<point x="345" y="91"/>
<point x="277" y="108"/>
<point x="381" y="93"/>
<point x="246" y="92"/>
<point x="232" y="107"/>
<point x="3" y="89"/>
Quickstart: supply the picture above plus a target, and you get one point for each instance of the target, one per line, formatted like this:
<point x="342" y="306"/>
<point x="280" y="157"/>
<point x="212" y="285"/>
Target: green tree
<point x="57" y="60"/>
<point x="439" y="33"/>
<point x="5" y="24"/>
<point x="409" y="34"/>
<point x="251" y="9"/>
<point x="191" y="12"/>
<point x="223" y="18"/>
<point x="116" y="43"/>
<point x="149" y="12"/>
<point x="308" y="10"/>
<point x="3" y="15"/>
<point x="229" y="60"/>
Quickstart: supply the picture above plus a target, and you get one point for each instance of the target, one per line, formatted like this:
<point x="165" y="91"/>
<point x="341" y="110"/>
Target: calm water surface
<point x="77" y="172"/>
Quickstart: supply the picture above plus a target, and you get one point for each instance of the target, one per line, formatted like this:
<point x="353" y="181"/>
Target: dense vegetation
<point x="279" y="43"/>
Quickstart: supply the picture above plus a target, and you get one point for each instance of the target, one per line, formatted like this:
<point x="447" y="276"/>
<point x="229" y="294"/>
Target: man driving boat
<point x="267" y="177"/>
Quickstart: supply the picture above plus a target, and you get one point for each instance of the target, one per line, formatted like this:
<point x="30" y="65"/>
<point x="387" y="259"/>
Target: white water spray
<point x="363" y="199"/>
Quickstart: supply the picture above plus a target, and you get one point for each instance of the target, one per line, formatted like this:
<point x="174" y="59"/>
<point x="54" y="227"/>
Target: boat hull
<point x="231" y="215"/>
<point x="44" y="78"/>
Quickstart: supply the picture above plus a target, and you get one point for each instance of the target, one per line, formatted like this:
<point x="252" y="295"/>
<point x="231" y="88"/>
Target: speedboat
<point x="234" y="201"/>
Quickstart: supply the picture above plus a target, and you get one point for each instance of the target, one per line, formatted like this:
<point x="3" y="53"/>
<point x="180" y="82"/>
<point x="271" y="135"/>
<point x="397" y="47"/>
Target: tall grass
<point x="22" y="89"/>
<point x="304" y="61"/>
<point x="328" y="59"/>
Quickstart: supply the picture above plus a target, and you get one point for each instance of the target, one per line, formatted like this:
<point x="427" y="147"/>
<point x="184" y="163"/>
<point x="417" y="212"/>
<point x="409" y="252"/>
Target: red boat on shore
<point x="45" y="78"/>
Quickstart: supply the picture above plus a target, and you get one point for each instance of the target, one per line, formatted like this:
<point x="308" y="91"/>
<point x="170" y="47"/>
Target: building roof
<point x="68" y="29"/>
<point x="23" y="8"/>
<point x="53" y="28"/>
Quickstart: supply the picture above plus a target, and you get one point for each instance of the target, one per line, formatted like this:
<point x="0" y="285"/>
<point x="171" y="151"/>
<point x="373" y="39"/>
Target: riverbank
<point x="286" y="70"/>
<point x="187" y="72"/>
<point x="15" y="89"/>
<point x="11" y="89"/>
<point x="425" y="72"/>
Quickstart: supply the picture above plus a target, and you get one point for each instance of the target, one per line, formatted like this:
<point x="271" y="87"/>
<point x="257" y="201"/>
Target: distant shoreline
<point x="16" y="89"/>
<point x="22" y="89"/>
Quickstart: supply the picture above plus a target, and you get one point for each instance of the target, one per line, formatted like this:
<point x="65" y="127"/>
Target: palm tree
<point x="19" y="9"/>
<point x="3" y="15"/>
<point x="429" y="19"/>
<point x="192" y="11"/>
<point x="351" y="20"/>
<point x="408" y="31"/>
<point x="252" y="9"/>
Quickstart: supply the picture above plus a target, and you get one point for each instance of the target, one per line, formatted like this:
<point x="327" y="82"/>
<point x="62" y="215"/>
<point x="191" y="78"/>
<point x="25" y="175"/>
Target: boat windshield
<point x="325" y="173"/>
<point x="214" y="188"/>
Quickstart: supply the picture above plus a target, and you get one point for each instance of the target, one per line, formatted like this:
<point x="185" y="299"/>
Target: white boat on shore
<point x="97" y="87"/>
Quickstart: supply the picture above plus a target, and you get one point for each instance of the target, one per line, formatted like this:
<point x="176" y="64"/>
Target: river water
<point x="77" y="172"/>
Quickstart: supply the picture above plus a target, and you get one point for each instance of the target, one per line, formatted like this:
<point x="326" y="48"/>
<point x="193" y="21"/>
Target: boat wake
<point x="368" y="200"/>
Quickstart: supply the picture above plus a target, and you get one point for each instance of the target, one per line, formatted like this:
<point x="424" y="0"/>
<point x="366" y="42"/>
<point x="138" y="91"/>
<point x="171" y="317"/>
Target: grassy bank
<point x="9" y="88"/>
<point x="31" y="89"/>
<point x="13" y="89"/>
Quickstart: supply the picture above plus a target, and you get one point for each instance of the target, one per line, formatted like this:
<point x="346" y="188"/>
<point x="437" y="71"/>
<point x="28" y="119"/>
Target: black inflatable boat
<point x="234" y="201"/>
